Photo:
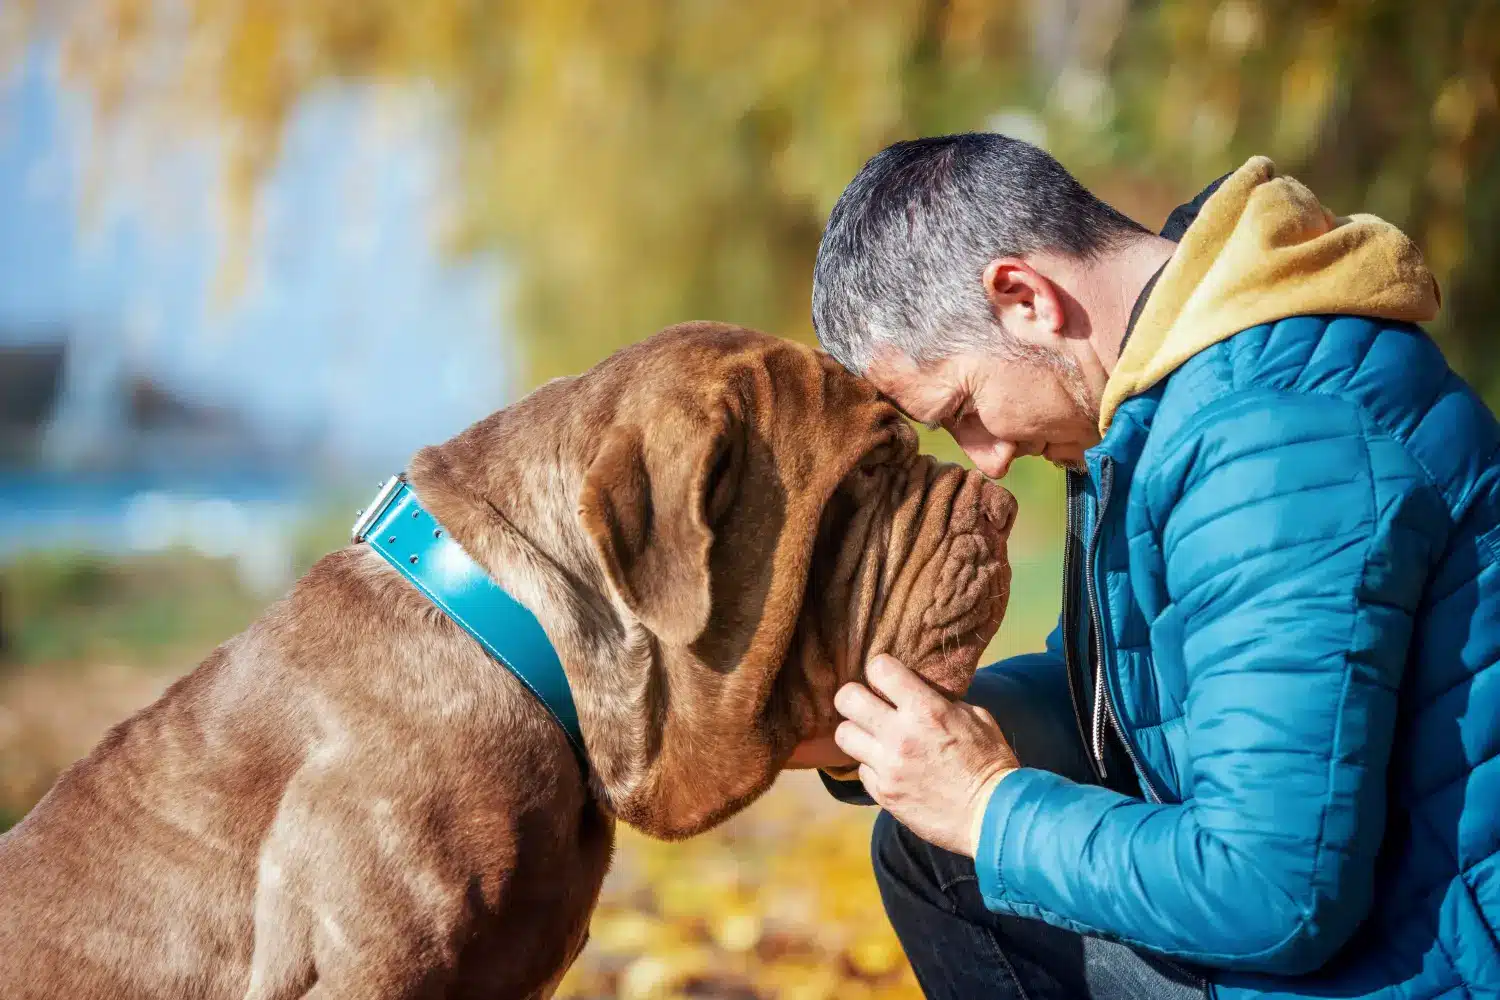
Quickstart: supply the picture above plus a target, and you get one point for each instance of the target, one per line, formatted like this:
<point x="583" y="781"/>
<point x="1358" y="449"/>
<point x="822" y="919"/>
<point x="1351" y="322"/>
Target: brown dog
<point x="351" y="800"/>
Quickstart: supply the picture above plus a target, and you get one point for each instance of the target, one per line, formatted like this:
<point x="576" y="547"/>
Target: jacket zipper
<point x="1096" y="635"/>
<point x="1104" y="708"/>
<point x="1075" y="674"/>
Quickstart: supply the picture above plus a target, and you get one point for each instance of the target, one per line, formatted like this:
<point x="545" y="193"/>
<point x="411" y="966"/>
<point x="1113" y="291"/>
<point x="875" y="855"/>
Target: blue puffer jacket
<point x="1290" y="550"/>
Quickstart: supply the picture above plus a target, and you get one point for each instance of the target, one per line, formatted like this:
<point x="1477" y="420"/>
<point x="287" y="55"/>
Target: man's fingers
<point x="855" y="702"/>
<point x="900" y="685"/>
<point x="857" y="743"/>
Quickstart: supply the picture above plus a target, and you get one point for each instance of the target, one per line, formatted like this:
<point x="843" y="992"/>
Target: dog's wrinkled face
<point x="765" y="516"/>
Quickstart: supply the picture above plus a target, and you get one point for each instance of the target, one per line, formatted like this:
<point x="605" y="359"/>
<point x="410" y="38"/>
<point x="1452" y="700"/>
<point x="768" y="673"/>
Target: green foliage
<point x="62" y="606"/>
<point x="1381" y="106"/>
<point x="72" y="606"/>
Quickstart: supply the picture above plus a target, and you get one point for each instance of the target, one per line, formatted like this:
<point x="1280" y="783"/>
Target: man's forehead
<point x="920" y="392"/>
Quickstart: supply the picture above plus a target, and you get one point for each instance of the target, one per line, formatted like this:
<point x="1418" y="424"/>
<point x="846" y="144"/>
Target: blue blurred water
<point x="48" y="510"/>
<point x="250" y="520"/>
<point x="356" y="341"/>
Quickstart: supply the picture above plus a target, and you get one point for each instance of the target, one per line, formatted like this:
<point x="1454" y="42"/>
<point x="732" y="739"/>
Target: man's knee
<point x="890" y="855"/>
<point x="903" y="860"/>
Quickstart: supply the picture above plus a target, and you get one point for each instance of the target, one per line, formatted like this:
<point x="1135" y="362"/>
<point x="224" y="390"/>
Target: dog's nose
<point x="998" y="505"/>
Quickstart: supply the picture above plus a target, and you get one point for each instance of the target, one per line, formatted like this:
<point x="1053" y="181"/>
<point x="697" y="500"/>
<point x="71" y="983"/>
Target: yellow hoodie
<point x="1262" y="248"/>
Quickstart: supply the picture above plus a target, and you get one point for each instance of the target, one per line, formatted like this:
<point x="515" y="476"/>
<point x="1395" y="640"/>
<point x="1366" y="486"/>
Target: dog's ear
<point x="649" y="503"/>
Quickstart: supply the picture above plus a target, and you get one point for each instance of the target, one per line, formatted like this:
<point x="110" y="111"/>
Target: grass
<point x="71" y="607"/>
<point x="66" y="607"/>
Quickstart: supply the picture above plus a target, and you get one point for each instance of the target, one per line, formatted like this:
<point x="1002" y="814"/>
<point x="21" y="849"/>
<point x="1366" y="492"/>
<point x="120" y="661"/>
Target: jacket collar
<point x="1177" y="223"/>
<point x="1256" y="247"/>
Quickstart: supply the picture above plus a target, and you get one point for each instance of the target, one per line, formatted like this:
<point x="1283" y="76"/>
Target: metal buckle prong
<point x="377" y="507"/>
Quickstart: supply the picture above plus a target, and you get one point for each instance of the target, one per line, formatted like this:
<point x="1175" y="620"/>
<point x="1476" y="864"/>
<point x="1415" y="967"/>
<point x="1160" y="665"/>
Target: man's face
<point x="998" y="408"/>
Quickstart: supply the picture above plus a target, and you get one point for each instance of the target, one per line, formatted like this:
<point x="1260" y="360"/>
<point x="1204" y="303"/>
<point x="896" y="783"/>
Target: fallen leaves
<point x="778" y="904"/>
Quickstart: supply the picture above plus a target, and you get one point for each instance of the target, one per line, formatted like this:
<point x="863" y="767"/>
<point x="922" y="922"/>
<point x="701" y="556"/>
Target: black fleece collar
<point x="1177" y="223"/>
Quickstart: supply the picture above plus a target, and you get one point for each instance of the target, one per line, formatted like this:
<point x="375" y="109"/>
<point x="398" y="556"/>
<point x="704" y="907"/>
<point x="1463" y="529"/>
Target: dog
<point x="350" y="799"/>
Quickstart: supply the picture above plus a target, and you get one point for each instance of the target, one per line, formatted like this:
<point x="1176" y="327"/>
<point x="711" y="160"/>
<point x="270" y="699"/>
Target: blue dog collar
<point x="398" y="527"/>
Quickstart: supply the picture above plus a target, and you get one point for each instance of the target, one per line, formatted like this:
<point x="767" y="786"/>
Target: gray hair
<point x="902" y="258"/>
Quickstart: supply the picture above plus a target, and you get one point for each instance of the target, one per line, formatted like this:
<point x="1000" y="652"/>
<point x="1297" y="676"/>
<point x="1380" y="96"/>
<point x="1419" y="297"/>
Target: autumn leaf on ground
<point x="778" y="904"/>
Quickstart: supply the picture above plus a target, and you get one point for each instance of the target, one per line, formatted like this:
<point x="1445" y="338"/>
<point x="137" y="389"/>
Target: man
<point x="1259" y="755"/>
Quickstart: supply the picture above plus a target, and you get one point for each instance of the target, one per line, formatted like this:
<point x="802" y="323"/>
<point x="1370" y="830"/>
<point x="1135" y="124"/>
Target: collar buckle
<point x="367" y="517"/>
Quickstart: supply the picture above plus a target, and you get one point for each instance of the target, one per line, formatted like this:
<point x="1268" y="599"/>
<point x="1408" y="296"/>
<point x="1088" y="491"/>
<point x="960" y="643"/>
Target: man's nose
<point x="992" y="458"/>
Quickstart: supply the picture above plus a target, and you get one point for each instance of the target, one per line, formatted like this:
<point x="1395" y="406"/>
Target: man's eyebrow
<point x="935" y="424"/>
<point x="901" y="410"/>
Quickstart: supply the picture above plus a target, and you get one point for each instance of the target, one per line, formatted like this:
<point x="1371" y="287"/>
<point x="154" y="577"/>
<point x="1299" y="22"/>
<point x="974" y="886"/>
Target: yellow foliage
<point x="778" y="904"/>
<point x="641" y="162"/>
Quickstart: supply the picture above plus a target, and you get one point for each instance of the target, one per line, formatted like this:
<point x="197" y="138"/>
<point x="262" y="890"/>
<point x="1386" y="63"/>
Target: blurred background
<point x="253" y="253"/>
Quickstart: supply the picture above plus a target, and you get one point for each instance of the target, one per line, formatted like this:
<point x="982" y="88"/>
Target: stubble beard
<point x="1077" y="386"/>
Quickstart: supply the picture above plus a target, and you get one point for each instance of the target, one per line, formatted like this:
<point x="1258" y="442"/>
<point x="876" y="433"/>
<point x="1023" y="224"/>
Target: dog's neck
<point x="487" y="486"/>
<point x="508" y="489"/>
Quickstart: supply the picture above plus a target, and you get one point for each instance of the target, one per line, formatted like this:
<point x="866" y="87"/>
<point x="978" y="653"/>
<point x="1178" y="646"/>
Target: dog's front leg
<point x="549" y="988"/>
<point x="351" y="905"/>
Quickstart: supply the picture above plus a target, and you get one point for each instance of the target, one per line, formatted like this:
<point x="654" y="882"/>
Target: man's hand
<point x="930" y="762"/>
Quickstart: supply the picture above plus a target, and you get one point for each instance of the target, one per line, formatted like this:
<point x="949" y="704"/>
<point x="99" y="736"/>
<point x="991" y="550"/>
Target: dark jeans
<point x="958" y="948"/>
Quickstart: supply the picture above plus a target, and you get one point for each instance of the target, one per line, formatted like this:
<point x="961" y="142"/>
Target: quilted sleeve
<point x="1295" y="559"/>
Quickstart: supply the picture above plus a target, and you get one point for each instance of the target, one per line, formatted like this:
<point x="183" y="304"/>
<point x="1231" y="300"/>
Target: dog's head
<point x="767" y="519"/>
<point x="760" y="523"/>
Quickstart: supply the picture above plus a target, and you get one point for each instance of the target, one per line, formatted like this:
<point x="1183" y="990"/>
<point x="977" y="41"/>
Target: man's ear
<point x="1023" y="299"/>
<point x="648" y="504"/>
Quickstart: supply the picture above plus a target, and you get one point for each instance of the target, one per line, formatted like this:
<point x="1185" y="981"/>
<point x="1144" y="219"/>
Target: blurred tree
<point x="1381" y="106"/>
<point x="654" y="160"/>
<point x="638" y="163"/>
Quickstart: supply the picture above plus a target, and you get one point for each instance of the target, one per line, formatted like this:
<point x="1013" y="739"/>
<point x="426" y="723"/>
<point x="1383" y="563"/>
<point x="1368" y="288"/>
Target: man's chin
<point x="1067" y="457"/>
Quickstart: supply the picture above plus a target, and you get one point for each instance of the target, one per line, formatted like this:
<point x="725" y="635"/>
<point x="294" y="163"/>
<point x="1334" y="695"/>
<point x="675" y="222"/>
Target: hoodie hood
<point x="1261" y="249"/>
